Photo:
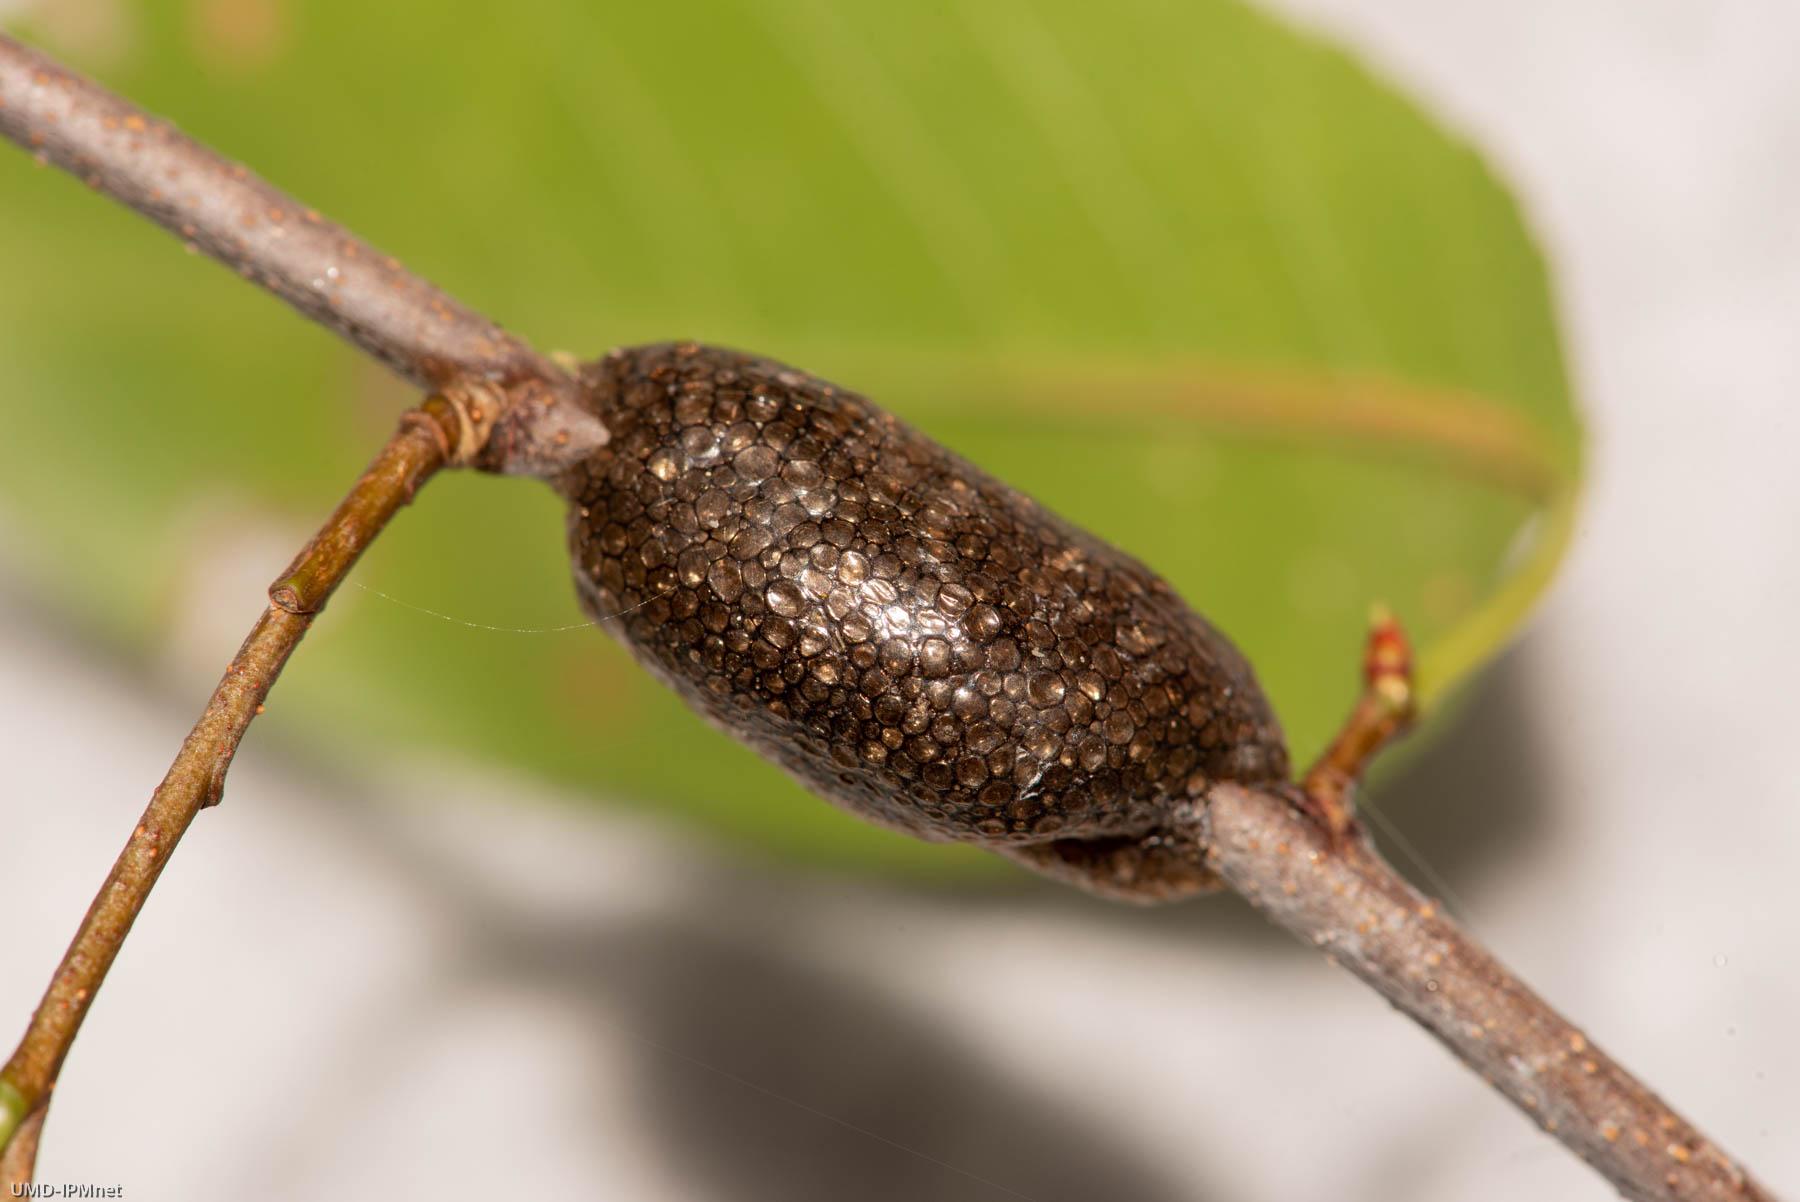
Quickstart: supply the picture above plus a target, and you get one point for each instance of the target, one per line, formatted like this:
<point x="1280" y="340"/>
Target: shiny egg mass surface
<point x="907" y="636"/>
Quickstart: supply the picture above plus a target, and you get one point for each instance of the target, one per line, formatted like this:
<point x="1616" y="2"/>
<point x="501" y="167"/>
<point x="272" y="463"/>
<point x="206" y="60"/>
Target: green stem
<point x="13" y="1109"/>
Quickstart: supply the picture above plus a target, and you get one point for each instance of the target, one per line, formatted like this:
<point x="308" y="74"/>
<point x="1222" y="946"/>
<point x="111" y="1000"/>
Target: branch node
<point x="285" y="594"/>
<point x="462" y="415"/>
<point x="214" y="792"/>
<point x="1385" y="710"/>
<point x="544" y="432"/>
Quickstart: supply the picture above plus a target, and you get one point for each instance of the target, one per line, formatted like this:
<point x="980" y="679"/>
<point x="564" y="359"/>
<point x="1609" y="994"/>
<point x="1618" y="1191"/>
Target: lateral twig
<point x="1299" y="855"/>
<point x="424" y="443"/>
<point x="1383" y="712"/>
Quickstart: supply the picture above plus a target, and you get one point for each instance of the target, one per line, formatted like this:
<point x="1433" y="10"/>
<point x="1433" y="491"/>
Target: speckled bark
<point x="1351" y="905"/>
<point x="224" y="210"/>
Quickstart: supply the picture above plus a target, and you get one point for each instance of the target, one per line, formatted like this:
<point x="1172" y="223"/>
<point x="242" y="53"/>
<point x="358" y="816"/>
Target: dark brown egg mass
<point x="907" y="636"/>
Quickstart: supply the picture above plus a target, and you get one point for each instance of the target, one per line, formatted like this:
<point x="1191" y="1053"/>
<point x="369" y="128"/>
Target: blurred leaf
<point x="1193" y="278"/>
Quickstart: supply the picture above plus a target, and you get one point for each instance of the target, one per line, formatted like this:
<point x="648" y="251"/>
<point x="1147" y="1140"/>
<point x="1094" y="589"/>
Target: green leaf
<point x="1196" y="280"/>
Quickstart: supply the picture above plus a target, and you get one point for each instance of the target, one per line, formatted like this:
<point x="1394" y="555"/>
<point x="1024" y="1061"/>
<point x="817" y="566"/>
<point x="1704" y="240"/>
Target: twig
<point x="222" y="208"/>
<point x="315" y="265"/>
<point x="426" y="440"/>
<point x="1298" y="855"/>
<point x="1382" y="713"/>
<point x="502" y="407"/>
<point x="1342" y="898"/>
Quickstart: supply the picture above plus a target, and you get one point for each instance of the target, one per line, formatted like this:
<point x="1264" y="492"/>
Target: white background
<point x="433" y="988"/>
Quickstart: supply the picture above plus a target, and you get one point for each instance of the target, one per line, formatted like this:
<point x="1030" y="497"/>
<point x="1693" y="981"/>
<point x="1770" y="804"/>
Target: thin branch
<point x="227" y="211"/>
<point x="1298" y="855"/>
<point x="271" y="239"/>
<point x="1384" y="711"/>
<point x="1347" y="902"/>
<point x="426" y="440"/>
<point x="503" y="407"/>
